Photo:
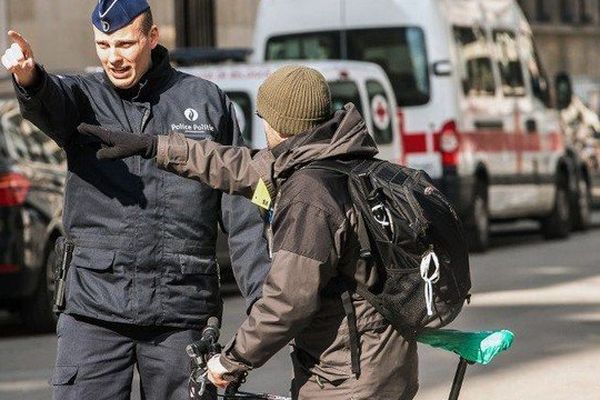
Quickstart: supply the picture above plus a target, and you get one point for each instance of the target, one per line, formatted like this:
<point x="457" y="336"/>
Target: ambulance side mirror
<point x="563" y="90"/>
<point x="441" y="68"/>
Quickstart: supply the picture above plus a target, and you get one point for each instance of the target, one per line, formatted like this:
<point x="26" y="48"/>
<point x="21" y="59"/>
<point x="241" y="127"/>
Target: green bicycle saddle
<point x="477" y="347"/>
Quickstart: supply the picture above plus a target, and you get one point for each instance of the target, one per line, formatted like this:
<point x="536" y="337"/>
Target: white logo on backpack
<point x="430" y="279"/>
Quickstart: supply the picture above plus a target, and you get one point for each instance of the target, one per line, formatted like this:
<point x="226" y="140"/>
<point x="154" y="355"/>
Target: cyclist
<point x="342" y="347"/>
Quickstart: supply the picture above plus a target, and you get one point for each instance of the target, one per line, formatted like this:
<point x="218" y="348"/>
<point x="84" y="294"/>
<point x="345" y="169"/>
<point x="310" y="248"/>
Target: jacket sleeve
<point x="53" y="105"/>
<point x="307" y="245"/>
<point x="231" y="169"/>
<point x="248" y="248"/>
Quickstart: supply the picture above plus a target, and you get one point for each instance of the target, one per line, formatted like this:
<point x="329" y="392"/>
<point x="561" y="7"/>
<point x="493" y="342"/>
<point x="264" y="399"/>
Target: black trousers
<point x="95" y="360"/>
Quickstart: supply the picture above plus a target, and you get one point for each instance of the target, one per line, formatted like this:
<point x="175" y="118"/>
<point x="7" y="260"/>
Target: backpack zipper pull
<point x="429" y="279"/>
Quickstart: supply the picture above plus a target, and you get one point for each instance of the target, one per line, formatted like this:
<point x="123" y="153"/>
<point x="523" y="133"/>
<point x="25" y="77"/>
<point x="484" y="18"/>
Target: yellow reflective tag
<point x="261" y="196"/>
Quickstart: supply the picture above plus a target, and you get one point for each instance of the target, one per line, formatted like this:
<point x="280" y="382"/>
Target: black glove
<point x="118" y="144"/>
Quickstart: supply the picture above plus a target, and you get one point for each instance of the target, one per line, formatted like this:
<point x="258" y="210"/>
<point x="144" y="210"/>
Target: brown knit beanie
<point x="294" y="99"/>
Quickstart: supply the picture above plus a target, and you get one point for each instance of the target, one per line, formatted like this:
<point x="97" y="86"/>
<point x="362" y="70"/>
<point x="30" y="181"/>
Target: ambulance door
<point x="516" y="192"/>
<point x="542" y="127"/>
<point x="243" y="106"/>
<point x="480" y="122"/>
<point x="381" y="121"/>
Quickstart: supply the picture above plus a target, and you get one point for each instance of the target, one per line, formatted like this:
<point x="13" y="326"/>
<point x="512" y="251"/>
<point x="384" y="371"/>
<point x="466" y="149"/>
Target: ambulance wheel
<point x="478" y="222"/>
<point x="37" y="311"/>
<point x="581" y="206"/>
<point x="557" y="225"/>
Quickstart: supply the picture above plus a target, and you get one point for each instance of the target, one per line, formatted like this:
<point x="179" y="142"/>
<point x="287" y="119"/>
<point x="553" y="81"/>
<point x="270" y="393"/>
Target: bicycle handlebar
<point x="199" y="387"/>
<point x="200" y="352"/>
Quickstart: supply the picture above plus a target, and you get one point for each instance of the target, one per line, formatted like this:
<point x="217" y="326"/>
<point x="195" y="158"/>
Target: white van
<point x="473" y="98"/>
<point x="364" y="84"/>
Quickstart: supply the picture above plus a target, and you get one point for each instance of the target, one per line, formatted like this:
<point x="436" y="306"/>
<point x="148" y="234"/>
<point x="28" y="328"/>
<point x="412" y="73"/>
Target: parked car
<point x="473" y="98"/>
<point x="32" y="173"/>
<point x="581" y="126"/>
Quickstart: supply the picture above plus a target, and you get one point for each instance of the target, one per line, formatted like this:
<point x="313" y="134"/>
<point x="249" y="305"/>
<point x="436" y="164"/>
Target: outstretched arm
<point x="231" y="169"/>
<point x="226" y="168"/>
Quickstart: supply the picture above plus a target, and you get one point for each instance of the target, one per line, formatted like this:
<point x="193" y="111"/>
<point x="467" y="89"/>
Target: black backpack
<point x="415" y="238"/>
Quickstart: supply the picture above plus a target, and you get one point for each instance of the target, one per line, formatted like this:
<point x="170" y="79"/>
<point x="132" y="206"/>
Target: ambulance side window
<point x="475" y="61"/>
<point x="539" y="81"/>
<point x="243" y="112"/>
<point x="509" y="64"/>
<point x="304" y="46"/>
<point x="402" y="54"/>
<point x="380" y="112"/>
<point x="343" y="92"/>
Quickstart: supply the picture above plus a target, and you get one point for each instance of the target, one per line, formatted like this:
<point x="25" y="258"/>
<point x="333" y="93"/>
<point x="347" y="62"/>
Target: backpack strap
<point x="350" y="285"/>
<point x="352" y="332"/>
<point x="346" y="168"/>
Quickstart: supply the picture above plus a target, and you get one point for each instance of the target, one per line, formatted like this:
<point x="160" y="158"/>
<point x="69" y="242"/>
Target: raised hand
<point x="18" y="60"/>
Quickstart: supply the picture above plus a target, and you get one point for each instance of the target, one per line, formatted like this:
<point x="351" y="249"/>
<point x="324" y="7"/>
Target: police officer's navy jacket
<point x="145" y="238"/>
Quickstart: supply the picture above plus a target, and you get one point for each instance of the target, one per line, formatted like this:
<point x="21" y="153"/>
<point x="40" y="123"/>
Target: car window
<point x="343" y="92"/>
<point x="381" y="112"/>
<point x="24" y="142"/>
<point x="242" y="105"/>
<point x="475" y="62"/>
<point x="509" y="64"/>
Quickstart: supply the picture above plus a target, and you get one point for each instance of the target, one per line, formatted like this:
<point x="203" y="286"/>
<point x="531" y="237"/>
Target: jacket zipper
<point x="145" y="117"/>
<point x="270" y="225"/>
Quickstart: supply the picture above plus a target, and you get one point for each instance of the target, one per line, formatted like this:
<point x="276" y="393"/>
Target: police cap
<point x="112" y="15"/>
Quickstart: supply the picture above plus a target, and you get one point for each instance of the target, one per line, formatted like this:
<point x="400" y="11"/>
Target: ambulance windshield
<point x="399" y="51"/>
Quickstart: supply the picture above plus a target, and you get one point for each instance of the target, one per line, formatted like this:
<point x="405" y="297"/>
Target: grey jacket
<point x="314" y="245"/>
<point x="145" y="238"/>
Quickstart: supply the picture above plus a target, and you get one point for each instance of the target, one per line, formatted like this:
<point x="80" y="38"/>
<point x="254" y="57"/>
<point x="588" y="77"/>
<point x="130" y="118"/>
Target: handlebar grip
<point x="211" y="331"/>
<point x="208" y="342"/>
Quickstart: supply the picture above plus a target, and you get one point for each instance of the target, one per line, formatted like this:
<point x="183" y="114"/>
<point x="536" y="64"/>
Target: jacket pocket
<point x="334" y="368"/>
<point x="192" y="287"/>
<point x="64" y="375"/>
<point x="95" y="286"/>
<point x="94" y="259"/>
<point x="192" y="265"/>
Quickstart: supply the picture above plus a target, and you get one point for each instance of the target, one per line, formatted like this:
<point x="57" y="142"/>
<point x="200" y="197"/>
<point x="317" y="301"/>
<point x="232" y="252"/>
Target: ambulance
<point x="473" y="101"/>
<point x="362" y="83"/>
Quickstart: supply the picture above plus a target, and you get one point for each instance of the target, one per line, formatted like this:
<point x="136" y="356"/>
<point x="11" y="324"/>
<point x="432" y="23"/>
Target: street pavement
<point x="547" y="293"/>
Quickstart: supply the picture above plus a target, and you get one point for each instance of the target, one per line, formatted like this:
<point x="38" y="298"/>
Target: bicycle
<point x="479" y="347"/>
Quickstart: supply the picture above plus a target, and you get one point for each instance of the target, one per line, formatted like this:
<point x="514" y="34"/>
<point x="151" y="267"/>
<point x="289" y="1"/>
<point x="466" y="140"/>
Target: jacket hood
<point x="344" y="136"/>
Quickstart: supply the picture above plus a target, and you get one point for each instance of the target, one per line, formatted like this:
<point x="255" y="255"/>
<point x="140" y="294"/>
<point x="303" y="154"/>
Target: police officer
<point x="142" y="276"/>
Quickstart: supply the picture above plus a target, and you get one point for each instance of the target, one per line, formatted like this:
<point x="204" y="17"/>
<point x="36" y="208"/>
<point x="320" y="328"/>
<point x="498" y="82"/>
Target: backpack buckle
<point x="381" y="214"/>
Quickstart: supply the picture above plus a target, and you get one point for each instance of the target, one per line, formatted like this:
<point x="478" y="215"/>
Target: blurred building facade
<point x="567" y="34"/>
<point x="567" y="31"/>
<point x="62" y="39"/>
